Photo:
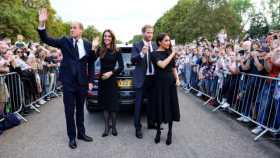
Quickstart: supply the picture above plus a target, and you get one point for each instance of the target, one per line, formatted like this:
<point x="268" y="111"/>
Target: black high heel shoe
<point x="169" y="138"/>
<point x="106" y="132"/>
<point x="157" y="138"/>
<point x="114" y="131"/>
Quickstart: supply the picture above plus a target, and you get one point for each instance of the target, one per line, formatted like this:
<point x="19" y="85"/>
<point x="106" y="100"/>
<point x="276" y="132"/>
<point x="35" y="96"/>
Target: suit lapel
<point x="73" y="51"/>
<point x="87" y="47"/>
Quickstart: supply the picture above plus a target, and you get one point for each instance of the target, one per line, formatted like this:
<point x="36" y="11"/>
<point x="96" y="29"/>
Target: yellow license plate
<point x="124" y="83"/>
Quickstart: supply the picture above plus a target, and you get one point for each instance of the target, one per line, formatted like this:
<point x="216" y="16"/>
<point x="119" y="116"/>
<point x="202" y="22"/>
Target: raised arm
<point x="43" y="17"/>
<point x="163" y="63"/>
<point x="138" y="55"/>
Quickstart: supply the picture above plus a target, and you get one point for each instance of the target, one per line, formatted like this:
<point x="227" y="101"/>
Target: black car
<point x="124" y="81"/>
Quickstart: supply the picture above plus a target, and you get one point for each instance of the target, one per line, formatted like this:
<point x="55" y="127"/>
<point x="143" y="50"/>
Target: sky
<point x="124" y="17"/>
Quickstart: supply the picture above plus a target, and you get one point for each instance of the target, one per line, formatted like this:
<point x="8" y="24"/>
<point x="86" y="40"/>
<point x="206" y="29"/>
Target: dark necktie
<point x="149" y="61"/>
<point x="76" y="48"/>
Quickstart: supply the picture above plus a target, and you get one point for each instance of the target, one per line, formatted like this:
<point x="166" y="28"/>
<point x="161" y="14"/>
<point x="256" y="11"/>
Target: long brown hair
<point x="113" y="47"/>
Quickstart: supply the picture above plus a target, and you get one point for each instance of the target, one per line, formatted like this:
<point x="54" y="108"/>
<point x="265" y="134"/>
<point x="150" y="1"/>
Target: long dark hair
<point x="113" y="47"/>
<point x="160" y="38"/>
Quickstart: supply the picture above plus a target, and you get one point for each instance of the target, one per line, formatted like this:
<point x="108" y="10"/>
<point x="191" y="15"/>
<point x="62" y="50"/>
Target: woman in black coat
<point x="107" y="86"/>
<point x="166" y="106"/>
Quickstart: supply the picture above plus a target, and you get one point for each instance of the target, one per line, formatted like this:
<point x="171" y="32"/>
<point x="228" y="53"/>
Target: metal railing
<point x="254" y="97"/>
<point x="27" y="88"/>
<point x="14" y="92"/>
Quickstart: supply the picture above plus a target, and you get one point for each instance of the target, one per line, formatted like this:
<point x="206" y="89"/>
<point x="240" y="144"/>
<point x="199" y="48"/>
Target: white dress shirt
<point x="147" y="57"/>
<point x="81" y="47"/>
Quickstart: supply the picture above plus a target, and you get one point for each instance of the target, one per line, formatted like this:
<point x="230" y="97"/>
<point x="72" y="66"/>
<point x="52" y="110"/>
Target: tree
<point x="91" y="32"/>
<point x="274" y="6"/>
<point x="21" y="17"/>
<point x="241" y="7"/>
<point x="259" y="26"/>
<point x="15" y="19"/>
<point x="135" y="38"/>
<point x="244" y="8"/>
<point x="190" y="19"/>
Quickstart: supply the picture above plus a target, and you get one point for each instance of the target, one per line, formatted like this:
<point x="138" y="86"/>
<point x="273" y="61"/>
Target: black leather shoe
<point x="169" y="138"/>
<point x="72" y="144"/>
<point x="85" y="138"/>
<point x="157" y="138"/>
<point x="114" y="132"/>
<point x="139" y="134"/>
<point x="105" y="133"/>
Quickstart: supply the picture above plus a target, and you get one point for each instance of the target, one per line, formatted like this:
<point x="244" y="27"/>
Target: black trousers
<point x="74" y="101"/>
<point x="147" y="91"/>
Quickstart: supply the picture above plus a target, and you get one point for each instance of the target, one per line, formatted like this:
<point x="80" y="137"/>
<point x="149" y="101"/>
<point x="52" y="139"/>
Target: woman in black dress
<point x="166" y="108"/>
<point x="107" y="86"/>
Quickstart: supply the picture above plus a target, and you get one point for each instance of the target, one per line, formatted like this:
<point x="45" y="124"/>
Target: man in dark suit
<point x="143" y="77"/>
<point x="77" y="68"/>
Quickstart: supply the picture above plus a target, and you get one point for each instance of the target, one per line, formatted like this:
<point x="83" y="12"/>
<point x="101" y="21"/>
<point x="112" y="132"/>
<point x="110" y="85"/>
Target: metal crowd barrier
<point x="254" y="97"/>
<point x="14" y="87"/>
<point x="21" y="89"/>
<point x="48" y="81"/>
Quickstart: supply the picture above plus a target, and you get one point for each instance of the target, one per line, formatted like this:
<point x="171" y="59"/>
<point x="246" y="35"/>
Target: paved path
<point x="200" y="134"/>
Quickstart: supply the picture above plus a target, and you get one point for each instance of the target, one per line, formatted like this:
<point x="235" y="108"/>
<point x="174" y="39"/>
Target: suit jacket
<point x="140" y="63"/>
<point x="74" y="72"/>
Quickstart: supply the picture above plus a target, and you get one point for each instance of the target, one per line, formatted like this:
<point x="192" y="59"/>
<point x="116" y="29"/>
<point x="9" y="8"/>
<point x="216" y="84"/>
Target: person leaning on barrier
<point x="268" y="103"/>
<point x="4" y="94"/>
<point x="253" y="63"/>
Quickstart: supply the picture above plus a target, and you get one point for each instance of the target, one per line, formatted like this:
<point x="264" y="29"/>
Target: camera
<point x="242" y="52"/>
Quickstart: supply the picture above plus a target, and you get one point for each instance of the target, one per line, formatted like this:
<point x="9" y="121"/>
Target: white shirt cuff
<point x="41" y="27"/>
<point x="142" y="55"/>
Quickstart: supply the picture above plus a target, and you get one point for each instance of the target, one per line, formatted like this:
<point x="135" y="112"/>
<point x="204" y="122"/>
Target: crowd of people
<point x="36" y="66"/>
<point x="248" y="68"/>
<point x="216" y="69"/>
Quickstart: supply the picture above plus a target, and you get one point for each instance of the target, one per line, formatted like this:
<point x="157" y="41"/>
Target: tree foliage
<point x="21" y="17"/>
<point x="274" y="6"/>
<point x="135" y="38"/>
<point x="259" y="25"/>
<point x="91" y="32"/>
<point x="190" y="19"/>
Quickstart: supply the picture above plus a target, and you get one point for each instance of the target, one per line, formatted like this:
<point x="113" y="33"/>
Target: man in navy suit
<point x="143" y="77"/>
<point x="77" y="68"/>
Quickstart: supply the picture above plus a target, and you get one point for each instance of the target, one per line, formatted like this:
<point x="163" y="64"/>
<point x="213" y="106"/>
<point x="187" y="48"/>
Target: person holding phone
<point x="166" y="106"/>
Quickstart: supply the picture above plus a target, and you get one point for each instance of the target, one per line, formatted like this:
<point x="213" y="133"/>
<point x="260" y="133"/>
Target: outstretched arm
<point x="43" y="17"/>
<point x="163" y="63"/>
